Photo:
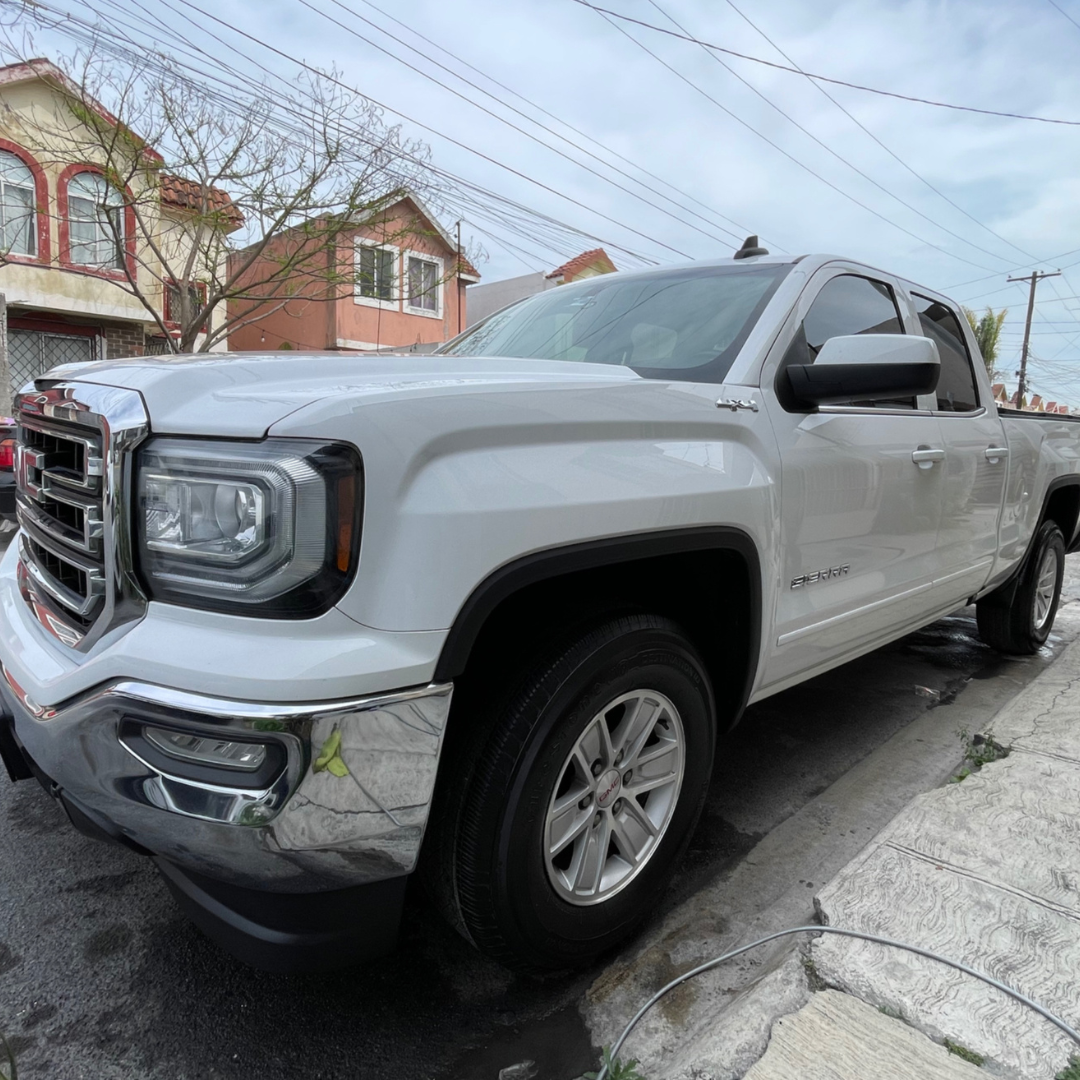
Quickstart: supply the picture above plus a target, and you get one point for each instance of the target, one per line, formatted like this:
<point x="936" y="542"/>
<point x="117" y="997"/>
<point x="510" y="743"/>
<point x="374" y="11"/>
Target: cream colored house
<point x="70" y="242"/>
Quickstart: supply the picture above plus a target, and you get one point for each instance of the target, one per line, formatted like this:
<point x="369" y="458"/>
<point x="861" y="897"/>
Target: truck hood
<point x="244" y="394"/>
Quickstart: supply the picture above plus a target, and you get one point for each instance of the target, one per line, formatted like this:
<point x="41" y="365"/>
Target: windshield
<point x="670" y="324"/>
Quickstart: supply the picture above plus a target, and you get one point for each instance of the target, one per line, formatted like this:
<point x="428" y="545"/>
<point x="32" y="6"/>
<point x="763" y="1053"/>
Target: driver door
<point x="858" y="514"/>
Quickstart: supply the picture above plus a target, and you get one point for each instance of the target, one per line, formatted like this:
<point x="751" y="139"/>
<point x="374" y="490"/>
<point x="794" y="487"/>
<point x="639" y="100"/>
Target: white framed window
<point x="18" y="216"/>
<point x="376" y="268"/>
<point x="95" y="222"/>
<point x="423" y="284"/>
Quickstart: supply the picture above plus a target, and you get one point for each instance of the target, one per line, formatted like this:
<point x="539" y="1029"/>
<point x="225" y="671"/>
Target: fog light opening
<point x="206" y="750"/>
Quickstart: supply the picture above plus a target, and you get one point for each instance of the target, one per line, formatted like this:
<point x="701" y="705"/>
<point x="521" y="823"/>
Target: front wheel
<point x="1023" y="625"/>
<point x="583" y="797"/>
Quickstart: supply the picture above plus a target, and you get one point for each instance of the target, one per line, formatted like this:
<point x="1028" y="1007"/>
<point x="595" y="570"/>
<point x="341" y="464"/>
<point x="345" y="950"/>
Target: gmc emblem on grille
<point x="820" y="575"/>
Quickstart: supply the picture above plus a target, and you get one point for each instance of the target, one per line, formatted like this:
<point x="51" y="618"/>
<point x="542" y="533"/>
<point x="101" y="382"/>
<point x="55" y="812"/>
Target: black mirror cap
<point x="750" y="248"/>
<point x="824" y="384"/>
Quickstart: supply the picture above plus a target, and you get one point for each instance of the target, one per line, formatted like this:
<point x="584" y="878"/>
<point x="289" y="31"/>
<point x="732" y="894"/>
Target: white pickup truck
<point x="297" y="626"/>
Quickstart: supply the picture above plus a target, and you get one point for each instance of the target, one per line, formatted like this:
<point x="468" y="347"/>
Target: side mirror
<point x="867" y="367"/>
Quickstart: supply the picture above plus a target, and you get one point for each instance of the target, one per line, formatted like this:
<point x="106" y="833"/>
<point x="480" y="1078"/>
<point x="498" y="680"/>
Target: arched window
<point x="95" y="211"/>
<point x="18" y="213"/>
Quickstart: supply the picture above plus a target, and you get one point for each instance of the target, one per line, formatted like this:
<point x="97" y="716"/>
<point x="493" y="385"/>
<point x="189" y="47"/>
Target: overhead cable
<point x="888" y="150"/>
<point x="825" y="146"/>
<point x="92" y="36"/>
<point x="559" y="120"/>
<point x="826" y="78"/>
<point x="428" y="128"/>
<point x="506" y="105"/>
<point x="776" y="146"/>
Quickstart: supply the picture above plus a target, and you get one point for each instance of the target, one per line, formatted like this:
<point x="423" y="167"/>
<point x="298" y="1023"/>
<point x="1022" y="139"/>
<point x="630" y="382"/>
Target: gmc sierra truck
<point x="296" y="626"/>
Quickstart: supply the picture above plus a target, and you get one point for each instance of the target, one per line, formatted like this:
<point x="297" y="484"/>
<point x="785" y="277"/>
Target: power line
<point x="828" y="149"/>
<point x="92" y="36"/>
<point x="93" y="39"/>
<point x="826" y="78"/>
<point x="990" y="277"/>
<point x="494" y="97"/>
<point x="888" y="150"/>
<point x="1065" y="13"/>
<point x="502" y="119"/>
<point x="426" y="127"/>
<point x="546" y="112"/>
<point x="723" y="108"/>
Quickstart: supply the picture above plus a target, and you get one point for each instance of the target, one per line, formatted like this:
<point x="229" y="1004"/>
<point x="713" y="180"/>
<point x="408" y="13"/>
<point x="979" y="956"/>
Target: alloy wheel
<point x="615" y="797"/>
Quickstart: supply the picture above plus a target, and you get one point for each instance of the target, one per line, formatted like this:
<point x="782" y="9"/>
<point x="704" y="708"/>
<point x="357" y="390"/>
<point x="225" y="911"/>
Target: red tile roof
<point x="465" y="267"/>
<point x="188" y="195"/>
<point x="581" y="262"/>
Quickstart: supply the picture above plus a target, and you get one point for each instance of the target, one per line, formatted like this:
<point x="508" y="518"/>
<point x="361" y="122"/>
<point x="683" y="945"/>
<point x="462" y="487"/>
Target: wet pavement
<point x="101" y="978"/>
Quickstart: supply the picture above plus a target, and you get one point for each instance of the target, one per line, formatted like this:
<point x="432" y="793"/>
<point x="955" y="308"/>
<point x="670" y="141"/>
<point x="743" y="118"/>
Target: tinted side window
<point x="851" y="305"/>
<point x="848" y="304"/>
<point x="956" y="387"/>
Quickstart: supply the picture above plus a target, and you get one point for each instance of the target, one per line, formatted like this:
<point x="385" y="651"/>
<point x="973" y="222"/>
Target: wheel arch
<point x="706" y="578"/>
<point x="1061" y="504"/>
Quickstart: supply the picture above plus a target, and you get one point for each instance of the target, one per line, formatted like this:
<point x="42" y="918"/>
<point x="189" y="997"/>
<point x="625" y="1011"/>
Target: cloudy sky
<point x="720" y="139"/>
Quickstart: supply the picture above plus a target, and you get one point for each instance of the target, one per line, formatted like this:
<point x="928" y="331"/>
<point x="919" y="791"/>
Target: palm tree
<point x="987" y="331"/>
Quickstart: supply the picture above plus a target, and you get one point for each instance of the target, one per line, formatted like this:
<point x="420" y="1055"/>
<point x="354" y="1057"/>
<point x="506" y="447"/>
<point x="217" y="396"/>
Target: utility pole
<point x="6" y="390"/>
<point x="1034" y="278"/>
<point x="457" y="278"/>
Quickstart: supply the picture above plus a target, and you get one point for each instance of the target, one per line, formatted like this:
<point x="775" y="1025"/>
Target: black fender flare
<point x="550" y="563"/>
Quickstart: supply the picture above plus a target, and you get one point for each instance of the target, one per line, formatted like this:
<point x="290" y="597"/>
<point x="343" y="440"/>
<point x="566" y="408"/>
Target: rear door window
<point x="956" y="390"/>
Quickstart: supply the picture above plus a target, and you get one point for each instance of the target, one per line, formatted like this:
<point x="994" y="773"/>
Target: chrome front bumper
<point x="307" y="829"/>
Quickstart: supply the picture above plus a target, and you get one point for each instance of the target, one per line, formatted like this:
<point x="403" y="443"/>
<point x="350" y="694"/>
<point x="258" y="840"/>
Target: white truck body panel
<point x="864" y="523"/>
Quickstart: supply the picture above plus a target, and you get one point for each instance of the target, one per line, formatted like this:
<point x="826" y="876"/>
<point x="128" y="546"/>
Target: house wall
<point x="303" y="322"/>
<point x="491" y="297"/>
<point x="353" y="322"/>
<point x="37" y="118"/>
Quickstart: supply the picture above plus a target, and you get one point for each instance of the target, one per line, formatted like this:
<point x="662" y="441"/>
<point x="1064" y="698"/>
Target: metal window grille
<point x="31" y="353"/>
<point x="157" y="346"/>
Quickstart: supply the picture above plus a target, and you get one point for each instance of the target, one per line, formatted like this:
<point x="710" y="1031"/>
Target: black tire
<point x="1021" y="624"/>
<point x="490" y="869"/>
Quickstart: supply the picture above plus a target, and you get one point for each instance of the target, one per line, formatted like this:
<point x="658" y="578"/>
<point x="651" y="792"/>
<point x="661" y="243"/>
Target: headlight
<point x="269" y="528"/>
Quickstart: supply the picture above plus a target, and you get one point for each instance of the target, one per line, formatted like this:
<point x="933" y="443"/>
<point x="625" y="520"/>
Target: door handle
<point x="925" y="457"/>
<point x="994" y="454"/>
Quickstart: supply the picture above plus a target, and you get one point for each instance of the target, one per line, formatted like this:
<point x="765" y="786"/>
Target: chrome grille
<point x="75" y="567"/>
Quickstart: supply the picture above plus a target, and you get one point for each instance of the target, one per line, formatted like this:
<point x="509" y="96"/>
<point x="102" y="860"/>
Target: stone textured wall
<point x="123" y="340"/>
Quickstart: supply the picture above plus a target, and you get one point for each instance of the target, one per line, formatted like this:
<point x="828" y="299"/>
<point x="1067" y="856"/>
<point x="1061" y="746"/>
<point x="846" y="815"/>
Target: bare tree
<point x="220" y="208"/>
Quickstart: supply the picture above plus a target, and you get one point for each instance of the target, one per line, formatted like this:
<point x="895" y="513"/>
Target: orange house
<point x="399" y="282"/>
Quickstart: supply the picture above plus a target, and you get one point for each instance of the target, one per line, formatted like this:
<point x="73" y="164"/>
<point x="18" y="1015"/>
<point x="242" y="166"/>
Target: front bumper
<point x="303" y="831"/>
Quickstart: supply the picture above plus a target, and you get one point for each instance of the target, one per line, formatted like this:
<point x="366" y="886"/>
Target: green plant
<point x="964" y="1052"/>
<point x="1072" y="1070"/>
<point x="616" y="1069"/>
<point x="12" y="1069"/>
<point x="979" y="750"/>
<point x="987" y="331"/>
<point x="813" y="979"/>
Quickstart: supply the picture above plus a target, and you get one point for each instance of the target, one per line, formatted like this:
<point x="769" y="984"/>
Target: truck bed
<point x="1024" y="414"/>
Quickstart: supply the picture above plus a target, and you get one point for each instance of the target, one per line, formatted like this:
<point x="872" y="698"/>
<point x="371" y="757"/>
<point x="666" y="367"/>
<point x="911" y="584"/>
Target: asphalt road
<point x="102" y="979"/>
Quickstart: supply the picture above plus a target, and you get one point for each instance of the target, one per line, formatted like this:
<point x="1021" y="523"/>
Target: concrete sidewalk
<point x="985" y="872"/>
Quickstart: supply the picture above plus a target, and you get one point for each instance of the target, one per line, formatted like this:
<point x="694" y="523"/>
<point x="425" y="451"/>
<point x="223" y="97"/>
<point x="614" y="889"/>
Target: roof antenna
<point x="750" y="248"/>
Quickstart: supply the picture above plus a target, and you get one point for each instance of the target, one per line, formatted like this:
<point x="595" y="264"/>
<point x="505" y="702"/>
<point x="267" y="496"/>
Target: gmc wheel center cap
<point x="607" y="787"/>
